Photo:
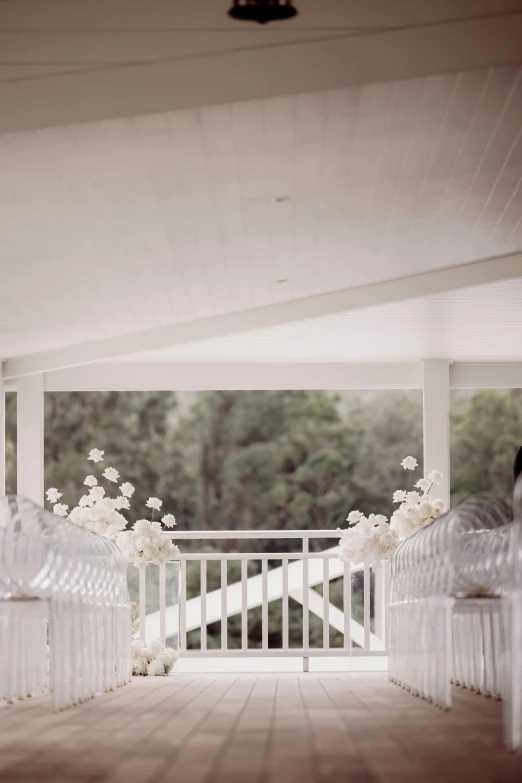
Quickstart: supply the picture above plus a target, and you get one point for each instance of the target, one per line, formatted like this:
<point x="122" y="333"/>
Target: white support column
<point x="30" y="437"/>
<point x="436" y="422"/>
<point x="2" y="433"/>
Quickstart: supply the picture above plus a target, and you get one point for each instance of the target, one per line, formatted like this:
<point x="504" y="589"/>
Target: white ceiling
<point x="483" y="323"/>
<point x="68" y="61"/>
<point x="125" y="225"/>
<point x="358" y="143"/>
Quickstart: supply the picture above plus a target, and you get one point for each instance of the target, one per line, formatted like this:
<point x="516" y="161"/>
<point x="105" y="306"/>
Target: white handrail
<point x="295" y="578"/>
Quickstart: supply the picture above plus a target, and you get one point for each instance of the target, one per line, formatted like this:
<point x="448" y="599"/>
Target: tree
<point x="486" y="431"/>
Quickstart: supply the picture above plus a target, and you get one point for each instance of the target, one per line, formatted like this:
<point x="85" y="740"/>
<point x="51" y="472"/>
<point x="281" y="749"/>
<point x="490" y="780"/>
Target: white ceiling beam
<point x="325" y="61"/>
<point x="440" y="281"/>
<point x="136" y="376"/>
<point x="173" y="376"/>
<point x="486" y="375"/>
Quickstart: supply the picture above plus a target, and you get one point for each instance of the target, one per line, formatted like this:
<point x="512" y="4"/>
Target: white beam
<point x="2" y="437"/>
<point x="134" y="376"/>
<point x="436" y="422"/>
<point x="487" y="375"/>
<point x="171" y="376"/>
<point x="30" y="438"/>
<point x="478" y="273"/>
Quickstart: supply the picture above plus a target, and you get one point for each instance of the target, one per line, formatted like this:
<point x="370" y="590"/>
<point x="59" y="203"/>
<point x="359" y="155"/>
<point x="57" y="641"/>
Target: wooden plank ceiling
<point x="125" y="225"/>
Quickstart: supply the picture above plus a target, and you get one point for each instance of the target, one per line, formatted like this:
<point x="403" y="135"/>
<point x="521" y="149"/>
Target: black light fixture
<point x="262" y="11"/>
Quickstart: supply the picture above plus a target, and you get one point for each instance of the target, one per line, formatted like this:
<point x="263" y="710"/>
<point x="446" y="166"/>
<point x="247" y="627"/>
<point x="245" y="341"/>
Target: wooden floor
<point x="228" y="728"/>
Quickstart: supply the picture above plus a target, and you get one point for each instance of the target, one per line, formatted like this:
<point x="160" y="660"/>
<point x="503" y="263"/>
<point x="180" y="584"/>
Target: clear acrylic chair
<point x="65" y="615"/>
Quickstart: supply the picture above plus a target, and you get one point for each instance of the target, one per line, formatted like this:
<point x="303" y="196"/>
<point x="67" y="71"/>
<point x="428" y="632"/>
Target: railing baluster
<point x="386" y="597"/>
<point x="203" y="592"/>
<point x="264" y="604"/>
<point x="269" y="585"/>
<point x="244" y="605"/>
<point x="306" y="634"/>
<point x="366" y="606"/>
<point x="224" y="622"/>
<point x="162" y="601"/>
<point x="183" y="608"/>
<point x="326" y="604"/>
<point x="347" y="605"/>
<point x="285" y="604"/>
<point x="143" y="601"/>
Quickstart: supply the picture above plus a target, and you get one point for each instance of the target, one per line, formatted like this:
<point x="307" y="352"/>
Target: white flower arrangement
<point x="99" y="512"/>
<point x="417" y="510"/>
<point x="144" y="544"/>
<point x="153" y="660"/>
<point x="369" y="540"/>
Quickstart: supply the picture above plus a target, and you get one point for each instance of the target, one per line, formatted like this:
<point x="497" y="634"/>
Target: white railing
<point x="295" y="577"/>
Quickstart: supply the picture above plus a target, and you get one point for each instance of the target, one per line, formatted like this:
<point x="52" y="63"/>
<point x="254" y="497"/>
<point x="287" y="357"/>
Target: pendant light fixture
<point x="262" y="11"/>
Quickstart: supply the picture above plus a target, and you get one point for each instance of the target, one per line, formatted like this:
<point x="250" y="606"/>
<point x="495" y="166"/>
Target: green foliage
<point x="486" y="431"/>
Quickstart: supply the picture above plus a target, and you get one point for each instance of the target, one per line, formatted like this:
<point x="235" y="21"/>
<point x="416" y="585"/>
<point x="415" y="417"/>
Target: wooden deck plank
<point x="226" y="728"/>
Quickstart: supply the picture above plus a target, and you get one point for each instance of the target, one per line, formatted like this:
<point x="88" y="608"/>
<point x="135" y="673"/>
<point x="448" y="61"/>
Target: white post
<point x="436" y="423"/>
<point x="30" y="437"/>
<point x="379" y="602"/>
<point x="2" y="433"/>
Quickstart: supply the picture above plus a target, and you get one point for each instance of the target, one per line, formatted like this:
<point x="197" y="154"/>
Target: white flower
<point x="423" y="484"/>
<point x="174" y="655"/>
<point x="425" y="509"/>
<point x="139" y="667"/>
<point x="141" y="542"/>
<point x="96" y="494"/>
<point x="439" y="507"/>
<point x="60" y="509"/>
<point x="155" y="647"/>
<point x="111" y="474"/>
<point x="85" y="500"/>
<point x="121" y="502"/>
<point x="155" y="669"/>
<point x="127" y="490"/>
<point x="399" y="496"/>
<point x="354" y="516"/>
<point x="96" y="455"/>
<point x="436" y="477"/>
<point x="91" y="481"/>
<point x="169" y="520"/>
<point x="154" y="503"/>
<point x="150" y="551"/>
<point x="142" y="527"/>
<point x="413" y="497"/>
<point x="404" y="527"/>
<point x="409" y="463"/>
<point x="53" y="496"/>
<point x="77" y="515"/>
<point x="408" y="510"/>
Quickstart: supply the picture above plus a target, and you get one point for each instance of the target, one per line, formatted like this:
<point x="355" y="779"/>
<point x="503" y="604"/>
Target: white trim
<point x="178" y="377"/>
<point x="132" y="376"/>
<point x="486" y="376"/>
<point x="451" y="278"/>
<point x="436" y="424"/>
<point x="30" y="438"/>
